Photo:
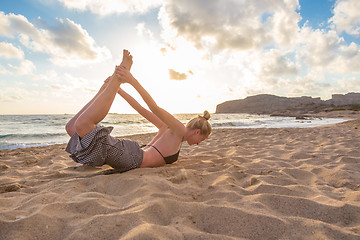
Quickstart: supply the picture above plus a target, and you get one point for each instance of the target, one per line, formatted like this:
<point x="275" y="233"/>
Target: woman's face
<point x="196" y="137"/>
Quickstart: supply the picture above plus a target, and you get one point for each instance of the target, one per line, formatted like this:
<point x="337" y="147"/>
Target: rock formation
<point x="275" y="105"/>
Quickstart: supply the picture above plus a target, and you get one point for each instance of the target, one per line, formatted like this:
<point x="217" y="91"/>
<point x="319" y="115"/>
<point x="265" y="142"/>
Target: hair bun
<point x="206" y="115"/>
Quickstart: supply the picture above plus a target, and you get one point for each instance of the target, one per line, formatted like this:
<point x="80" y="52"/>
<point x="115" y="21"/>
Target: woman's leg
<point x="100" y="106"/>
<point x="98" y="109"/>
<point x="70" y="126"/>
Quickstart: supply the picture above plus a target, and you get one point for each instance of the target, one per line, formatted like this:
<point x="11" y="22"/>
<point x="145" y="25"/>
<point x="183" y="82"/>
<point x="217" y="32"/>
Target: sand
<point x="238" y="184"/>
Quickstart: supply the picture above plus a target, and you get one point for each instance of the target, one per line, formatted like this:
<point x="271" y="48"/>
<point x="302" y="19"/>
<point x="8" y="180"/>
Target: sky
<point x="190" y="55"/>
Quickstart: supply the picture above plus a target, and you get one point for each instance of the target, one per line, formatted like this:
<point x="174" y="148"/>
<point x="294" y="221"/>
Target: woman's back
<point x="166" y="143"/>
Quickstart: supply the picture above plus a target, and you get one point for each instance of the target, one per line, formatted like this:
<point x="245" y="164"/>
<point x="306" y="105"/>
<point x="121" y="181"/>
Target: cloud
<point x="142" y="31"/>
<point x="112" y="6"/>
<point x="57" y="87"/>
<point x="259" y="45"/>
<point x="275" y="63"/>
<point x="236" y="25"/>
<point x="347" y="61"/>
<point x="26" y="68"/>
<point x="12" y="24"/>
<point x="67" y="43"/>
<point x="70" y="43"/>
<point x="306" y="85"/>
<point x="329" y="51"/>
<point x="7" y="50"/>
<point x="13" y="94"/>
<point x="174" y="75"/>
<point x="3" y="70"/>
<point x="345" y="84"/>
<point x="66" y="84"/>
<point x="319" y="47"/>
<point x="347" y="17"/>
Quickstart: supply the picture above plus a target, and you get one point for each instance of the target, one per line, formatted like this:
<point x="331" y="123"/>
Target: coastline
<point x="287" y="183"/>
<point x="346" y="114"/>
<point x="45" y="130"/>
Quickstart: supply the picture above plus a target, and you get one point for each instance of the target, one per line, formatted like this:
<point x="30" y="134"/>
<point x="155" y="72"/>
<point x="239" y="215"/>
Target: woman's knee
<point x="83" y="127"/>
<point x="79" y="125"/>
<point x="70" y="128"/>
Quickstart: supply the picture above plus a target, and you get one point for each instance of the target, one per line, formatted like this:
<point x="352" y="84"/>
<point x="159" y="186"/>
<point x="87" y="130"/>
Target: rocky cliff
<point x="270" y="104"/>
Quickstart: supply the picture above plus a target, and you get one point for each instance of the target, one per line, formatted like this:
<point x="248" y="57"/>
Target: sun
<point x="153" y="65"/>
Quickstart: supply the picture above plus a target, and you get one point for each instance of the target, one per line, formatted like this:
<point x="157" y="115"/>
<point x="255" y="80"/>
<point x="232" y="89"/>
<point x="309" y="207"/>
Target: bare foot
<point x="127" y="60"/>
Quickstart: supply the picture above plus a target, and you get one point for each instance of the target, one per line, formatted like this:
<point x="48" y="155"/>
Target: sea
<point x="22" y="131"/>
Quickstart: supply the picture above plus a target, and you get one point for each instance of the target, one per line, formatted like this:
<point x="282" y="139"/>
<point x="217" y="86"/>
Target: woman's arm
<point x="174" y="124"/>
<point x="151" y="117"/>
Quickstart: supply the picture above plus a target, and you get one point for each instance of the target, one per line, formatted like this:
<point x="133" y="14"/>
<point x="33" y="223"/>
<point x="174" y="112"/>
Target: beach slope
<point x="301" y="183"/>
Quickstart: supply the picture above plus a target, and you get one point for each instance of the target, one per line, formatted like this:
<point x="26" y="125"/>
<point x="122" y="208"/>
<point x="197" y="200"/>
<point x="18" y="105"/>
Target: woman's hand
<point x="124" y="75"/>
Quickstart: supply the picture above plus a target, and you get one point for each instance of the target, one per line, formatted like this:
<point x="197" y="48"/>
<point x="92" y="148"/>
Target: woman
<point x="91" y="144"/>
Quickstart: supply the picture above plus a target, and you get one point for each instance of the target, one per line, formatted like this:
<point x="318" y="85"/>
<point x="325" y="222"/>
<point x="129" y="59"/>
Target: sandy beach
<point x="299" y="183"/>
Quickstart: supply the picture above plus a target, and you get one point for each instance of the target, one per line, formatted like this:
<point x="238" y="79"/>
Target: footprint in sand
<point x="10" y="188"/>
<point x="3" y="166"/>
<point x="178" y="179"/>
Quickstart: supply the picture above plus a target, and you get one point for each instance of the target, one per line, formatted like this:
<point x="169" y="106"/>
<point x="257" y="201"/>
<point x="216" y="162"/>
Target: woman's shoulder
<point x="172" y="133"/>
<point x="166" y="130"/>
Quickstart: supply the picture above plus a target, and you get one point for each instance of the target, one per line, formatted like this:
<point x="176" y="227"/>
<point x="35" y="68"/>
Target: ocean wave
<point x="34" y="136"/>
<point x="124" y="122"/>
<point x="6" y="135"/>
<point x="4" y="146"/>
<point x="232" y="124"/>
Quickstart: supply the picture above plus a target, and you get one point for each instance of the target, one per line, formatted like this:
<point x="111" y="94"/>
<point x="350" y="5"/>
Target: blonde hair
<point x="201" y="122"/>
